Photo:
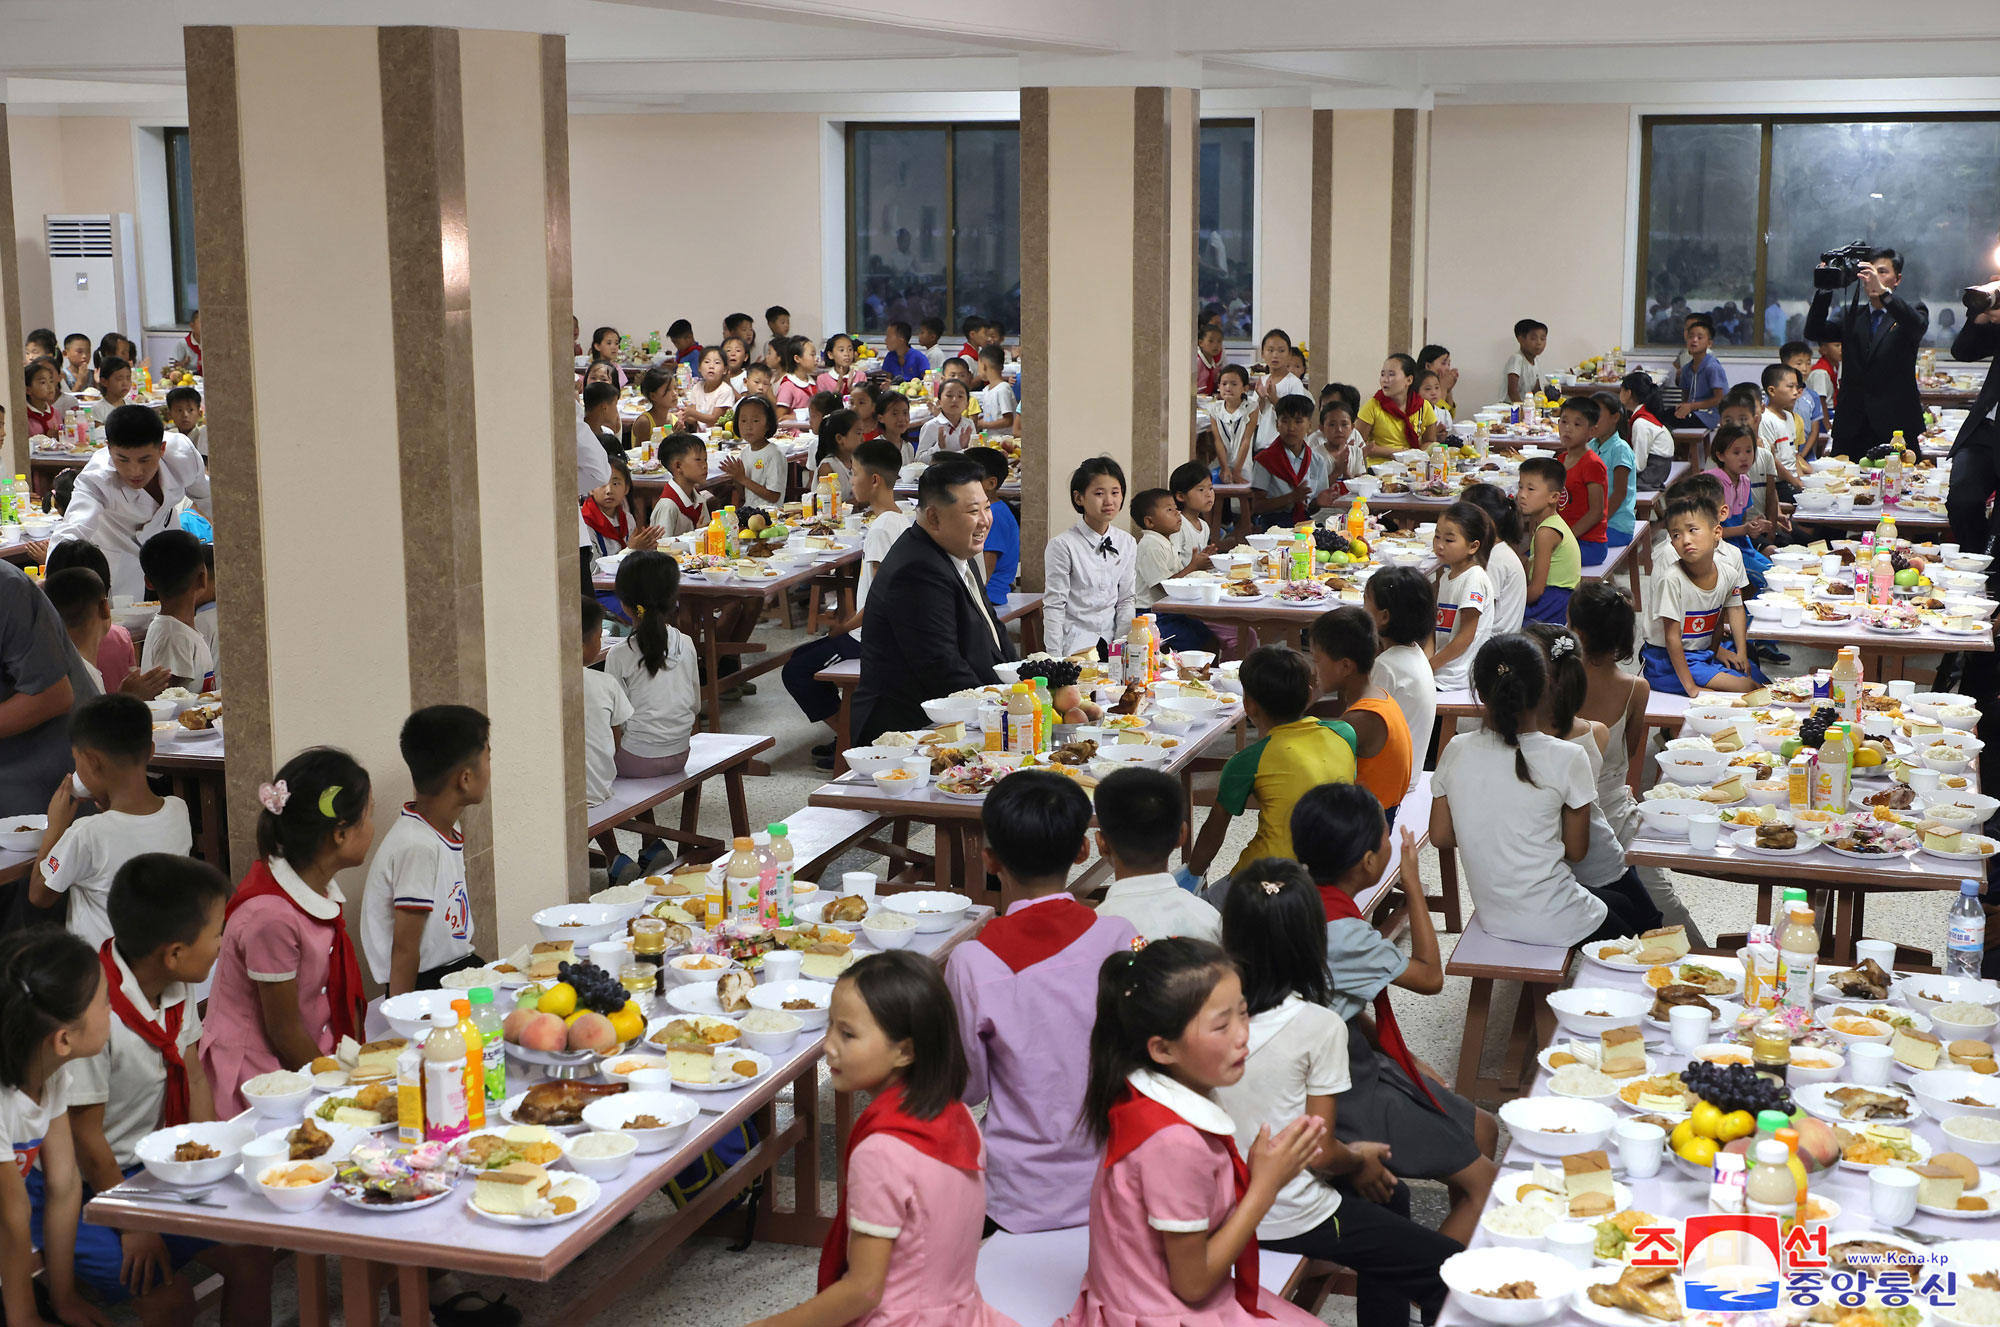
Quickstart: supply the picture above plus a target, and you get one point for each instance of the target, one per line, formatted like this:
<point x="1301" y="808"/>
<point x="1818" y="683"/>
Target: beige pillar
<point x="1368" y="224"/>
<point x="1284" y="223"/>
<point x="14" y="438"/>
<point x="1107" y="259"/>
<point x="429" y="241"/>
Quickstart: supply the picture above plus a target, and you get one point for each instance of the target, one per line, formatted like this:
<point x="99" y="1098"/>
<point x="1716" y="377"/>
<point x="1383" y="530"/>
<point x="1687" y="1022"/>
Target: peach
<point x="544" y="1032"/>
<point x="592" y="1032"/>
<point x="515" y="1024"/>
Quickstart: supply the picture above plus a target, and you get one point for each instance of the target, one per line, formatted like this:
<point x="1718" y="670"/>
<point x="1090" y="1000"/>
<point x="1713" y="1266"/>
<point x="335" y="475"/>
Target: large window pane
<point x="1226" y="234"/>
<point x="986" y="197"/>
<point x="900" y="229"/>
<point x="1928" y="189"/>
<point x="180" y="222"/>
<point x="1701" y="229"/>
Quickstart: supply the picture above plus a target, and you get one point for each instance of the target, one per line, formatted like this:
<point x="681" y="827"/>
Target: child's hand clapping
<point x="1276" y="1159"/>
<point x="1200" y="561"/>
<point x="647" y="538"/>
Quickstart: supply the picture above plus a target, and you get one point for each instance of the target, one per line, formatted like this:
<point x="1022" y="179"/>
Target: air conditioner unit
<point x="93" y="274"/>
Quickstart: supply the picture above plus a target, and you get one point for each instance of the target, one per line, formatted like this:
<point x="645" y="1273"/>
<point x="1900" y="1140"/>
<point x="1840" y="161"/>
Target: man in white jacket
<point x="131" y="491"/>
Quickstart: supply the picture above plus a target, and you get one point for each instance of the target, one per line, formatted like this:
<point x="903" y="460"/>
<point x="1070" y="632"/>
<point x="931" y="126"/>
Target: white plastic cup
<point x="1882" y="951"/>
<point x="1892" y="1193"/>
<point x="1868" y="1064"/>
<point x="1703" y="832"/>
<point x="1902" y="689"/>
<point x="919" y="770"/>
<point x="1923" y="780"/>
<point x="1829" y="566"/>
<point x="858" y="882"/>
<point x="1640" y="1146"/>
<point x="1877" y="725"/>
<point x="650" y="1080"/>
<point x="1688" y="1027"/>
<point x="783" y="965"/>
<point x="1576" y="1243"/>
<point x="610" y="955"/>
<point x="1791" y="613"/>
<point x="1948" y="551"/>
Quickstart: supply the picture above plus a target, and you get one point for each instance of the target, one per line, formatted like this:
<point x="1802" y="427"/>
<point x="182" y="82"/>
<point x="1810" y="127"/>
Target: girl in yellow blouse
<point x="1396" y="419"/>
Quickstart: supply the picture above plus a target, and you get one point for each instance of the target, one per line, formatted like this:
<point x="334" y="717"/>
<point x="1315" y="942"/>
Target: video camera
<point x="1841" y="267"/>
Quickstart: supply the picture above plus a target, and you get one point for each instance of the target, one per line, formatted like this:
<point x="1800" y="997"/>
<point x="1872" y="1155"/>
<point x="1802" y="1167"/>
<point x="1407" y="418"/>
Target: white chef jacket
<point x="119" y="518"/>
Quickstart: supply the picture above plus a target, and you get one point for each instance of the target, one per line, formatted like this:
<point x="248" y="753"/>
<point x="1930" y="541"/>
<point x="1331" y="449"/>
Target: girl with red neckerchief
<point x="1396" y="418"/>
<point x="46" y="400"/>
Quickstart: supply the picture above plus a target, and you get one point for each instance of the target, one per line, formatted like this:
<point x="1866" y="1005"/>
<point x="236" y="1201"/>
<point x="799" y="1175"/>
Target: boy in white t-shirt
<point x="1521" y="379"/>
<point x="605" y="712"/>
<point x="184" y="415"/>
<point x="416" y="915"/>
<point x="1696" y="639"/>
<point x="1780" y="431"/>
<point x="996" y="396"/>
<point x="111" y="739"/>
<point x="174" y="563"/>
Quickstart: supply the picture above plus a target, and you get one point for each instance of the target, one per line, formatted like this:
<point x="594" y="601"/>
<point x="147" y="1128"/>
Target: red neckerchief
<point x="1401" y="412"/>
<point x="1277" y="458"/>
<point x="694" y="514"/>
<point x="346" y="1003"/>
<point x="176" y="1105"/>
<point x="1648" y="416"/>
<point x="194" y="351"/>
<point x="1832" y="376"/>
<point x="1135" y="1117"/>
<point x="594" y="517"/>
<point x="951" y="1137"/>
<point x="873" y="435"/>
<point x="44" y="421"/>
<point x="1024" y="938"/>
<point x="1340" y="906"/>
<point x="968" y="354"/>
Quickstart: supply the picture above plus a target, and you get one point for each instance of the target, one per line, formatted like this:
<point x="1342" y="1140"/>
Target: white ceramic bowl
<point x="1981" y="1152"/>
<point x="1951" y="1029"/>
<point x="774" y="1044"/>
<point x="1957" y="763"/>
<point x="1532" y="1120"/>
<point x="1765" y="608"/>
<point x="1187" y="589"/>
<point x="1366" y="486"/>
<point x="1194" y="658"/>
<point x="1590" y="1011"/>
<point x="1704" y="720"/>
<point x="774" y="994"/>
<point x="1475" y="1270"/>
<point x="1958" y="718"/>
<point x="873" y="759"/>
<point x="675" y="1111"/>
<point x="1957" y="737"/>
<point x="935" y="909"/>
<point x="1668" y="819"/>
<point x="1827" y="1065"/>
<point x="684" y="976"/>
<point x="1944" y="1092"/>
<point x="156" y="1151"/>
<point x="1133" y="755"/>
<point x="163" y="710"/>
<point x="1881" y="1034"/>
<point x="1267" y="540"/>
<point x="887" y="937"/>
<point x="1503" y="1239"/>
<point x="1980" y="804"/>
<point x="898" y="782"/>
<point x="282" y="1105"/>
<point x="135" y="617"/>
<point x="410" y="1013"/>
<point x="1924" y="992"/>
<point x="952" y="709"/>
<point x="600" y="1167"/>
<point x="627" y="909"/>
<point x="589" y="923"/>
<point x="303" y="1198"/>
<point x="1702" y="767"/>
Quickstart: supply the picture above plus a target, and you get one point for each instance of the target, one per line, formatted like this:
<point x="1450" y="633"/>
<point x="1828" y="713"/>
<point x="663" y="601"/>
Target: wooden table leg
<point x="313" y="1307"/>
<point x="972" y="864"/>
<point x="359" y="1294"/>
<point x="843" y="730"/>
<point x="805" y="1158"/>
<point x="1478" y="1009"/>
<point x="413" y="1287"/>
<point x="1632" y="566"/>
<point x="739" y="803"/>
<point x="711" y="690"/>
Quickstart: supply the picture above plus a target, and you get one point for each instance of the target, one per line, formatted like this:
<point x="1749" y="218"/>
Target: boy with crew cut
<point x="1780" y="431"/>
<point x="1141" y="823"/>
<point x="929" y="332"/>
<point x="1288" y="477"/>
<point x="684" y="349"/>
<point x="1703" y="380"/>
<point x="416" y="916"/>
<point x="1026" y="994"/>
<point x="174" y="563"/>
<point x="1586" y="482"/>
<point x="184" y="413"/>
<point x="778" y="320"/>
<point x="76" y="374"/>
<point x="903" y="361"/>
<point x="1521" y="379"/>
<point x="1002" y="556"/>
<point x="1810" y="407"/>
<point x="744" y="328"/>
<point x="111" y="740"/>
<point x="683" y="508"/>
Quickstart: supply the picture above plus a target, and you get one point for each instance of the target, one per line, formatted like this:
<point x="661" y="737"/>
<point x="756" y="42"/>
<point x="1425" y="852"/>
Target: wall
<point x="69" y="163"/>
<point x="661" y="229"/>
<point x="1498" y="254"/>
<point x="1284" y="220"/>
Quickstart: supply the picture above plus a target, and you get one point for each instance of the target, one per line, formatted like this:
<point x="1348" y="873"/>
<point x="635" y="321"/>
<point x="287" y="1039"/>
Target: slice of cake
<point x="377" y="1059"/>
<point x="1918" y="1050"/>
<point x="1666" y="937"/>
<point x="945" y="734"/>
<point x="691" y="1064"/>
<point x="1587" y="1183"/>
<point x="1943" y="838"/>
<point x="513" y="1190"/>
<point x="825" y="967"/>
<point x="1729" y="790"/>
<point x="1622" y="1053"/>
<point x="1729" y="739"/>
<point x="1940" y="1186"/>
<point x="1756" y="696"/>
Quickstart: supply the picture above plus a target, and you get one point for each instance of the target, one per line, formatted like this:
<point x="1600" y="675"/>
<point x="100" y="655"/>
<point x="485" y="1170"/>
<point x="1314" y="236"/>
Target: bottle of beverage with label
<point x="1357" y="517"/>
<point x="992" y="728"/>
<point x="764" y="906"/>
<point x="1846" y="678"/>
<point x="487" y="1021"/>
<point x="1885" y="534"/>
<point x="1771" y="1050"/>
<point x="1882" y="579"/>
<point x="1798" y="948"/>
<point x="829" y="497"/>
<point x="1833" y="771"/>
<point x="1138" y="666"/>
<point x="1302" y="556"/>
<point x="1790" y="1138"/>
<point x="444" y="1079"/>
<point x="1771" y="1190"/>
<point x="732" y="533"/>
<point x="781" y="850"/>
<point x="1965" y="935"/>
<point x="1892" y="475"/>
<point x="739" y="880"/>
<point x="475" y="1065"/>
<point x="715" y="895"/>
<point x="1045" y="714"/>
<point x="717" y="539"/>
<point x="410" y="1097"/>
<point x="1437" y="468"/>
<point x="9" y="513"/>
<point x="1021" y="718"/>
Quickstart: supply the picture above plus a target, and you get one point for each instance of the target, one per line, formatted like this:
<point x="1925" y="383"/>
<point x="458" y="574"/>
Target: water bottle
<point x="1965" y="936"/>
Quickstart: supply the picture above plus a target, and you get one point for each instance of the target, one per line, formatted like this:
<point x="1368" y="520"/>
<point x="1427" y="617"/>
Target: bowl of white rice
<point x="1976" y="1136"/>
<point x="1582" y="1082"/>
<point x="1518" y="1224"/>
<point x="770" y="1031"/>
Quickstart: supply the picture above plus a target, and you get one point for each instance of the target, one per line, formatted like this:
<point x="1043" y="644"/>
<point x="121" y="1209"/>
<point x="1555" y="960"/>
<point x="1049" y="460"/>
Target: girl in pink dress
<point x="905" y="1243"/>
<point x="840" y="376"/>
<point x="797" y="361"/>
<point x="1174" y="1209"/>
<point x="287" y="984"/>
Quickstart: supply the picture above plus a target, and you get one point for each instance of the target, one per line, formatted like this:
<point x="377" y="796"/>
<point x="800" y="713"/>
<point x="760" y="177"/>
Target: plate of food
<point x="1865" y="983"/>
<point x="1660" y="1094"/>
<point x="1626" y="1296"/>
<point x="1854" y="1104"/>
<point x="1774" y="841"/>
<point x="1617" y="1235"/>
<point x="1953" y="1188"/>
<point x="1866" y="1146"/>
<point x="717" y="1069"/>
<point x="1870" y="840"/>
<point x="557" y="1104"/>
<point x="1955" y="845"/>
<point x="1306" y="592"/>
<point x="1586" y="1053"/>
<point x="383" y="1177"/>
<point x="971" y="781"/>
<point x="1708" y="980"/>
<point x="523" y="1194"/>
<point x="497" y="1148"/>
<point x="1242" y="592"/>
<point x="371" y="1107"/>
<point x="1543" y="1187"/>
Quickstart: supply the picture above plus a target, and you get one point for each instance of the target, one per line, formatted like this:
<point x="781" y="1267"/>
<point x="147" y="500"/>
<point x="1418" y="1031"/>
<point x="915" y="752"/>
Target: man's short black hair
<point x="935" y="485"/>
<point x="1791" y="348"/>
<point x="1279" y="679"/>
<point x="1775" y="374"/>
<point x="1140" y="813"/>
<point x="134" y="426"/>
<point x="1700" y="320"/>
<point x="992" y="458"/>
<point x="1295" y="406"/>
<point x="680" y="327"/>
<point x="591" y="614"/>
<point x="184" y="396"/>
<point x="776" y="311"/>
<point x="172" y="560"/>
<point x="161" y="898"/>
<point x="75" y="593"/>
<point x="1895" y="259"/>
<point x="599" y="393"/>
<point x="116" y="726"/>
<point x="1585" y="408"/>
<point x="437" y="739"/>
<point x="900" y="328"/>
<point x="881" y="458"/>
<point x="1145" y="502"/>
<point x="1035" y="822"/>
<point x="1347" y="632"/>
<point x="1528" y="325"/>
<point x="74" y="337"/>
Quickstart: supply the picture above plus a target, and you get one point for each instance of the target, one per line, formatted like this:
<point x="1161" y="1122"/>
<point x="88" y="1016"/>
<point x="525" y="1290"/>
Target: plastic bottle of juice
<point x="486" y="1016"/>
<point x="1138" y="651"/>
<point x="1883" y="580"/>
<point x="7" y="511"/>
<point x="1833" y="770"/>
<point x="1045" y="706"/>
<point x="739" y="879"/>
<point x="474" y="1065"/>
<point x="1302" y="556"/>
<point x="410" y="1096"/>
<point x="992" y="728"/>
<point x="732" y="538"/>
<point x="1798" y="944"/>
<point x="1021" y="718"/>
<point x="781" y="849"/>
<point x="1885" y="533"/>
<point x="1847" y="678"/>
<point x="444" y="1079"/>
<point x="717" y="539"/>
<point x="1357" y="517"/>
<point x="715" y="896"/>
<point x="1790" y="1138"/>
<point x="765" y="905"/>
<point x="1892" y="475"/>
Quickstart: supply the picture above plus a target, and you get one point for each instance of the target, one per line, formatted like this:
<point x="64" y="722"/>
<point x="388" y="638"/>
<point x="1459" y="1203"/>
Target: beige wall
<point x="1363" y="165"/>
<point x="70" y="163"/>
<point x="662" y="230"/>
<point x="1496" y="258"/>
<point x="1284" y="221"/>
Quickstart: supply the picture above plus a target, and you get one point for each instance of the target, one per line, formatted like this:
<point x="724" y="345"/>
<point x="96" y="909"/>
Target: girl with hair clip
<point x="54" y="1009"/>
<point x="1503" y="561"/>
<point x="658" y="668"/>
<point x="710" y="394"/>
<point x="796" y="362"/>
<point x="1346" y="1206"/>
<point x="840" y="376"/>
<point x="1394" y="1098"/>
<point x="660" y="389"/>
<point x="1174" y="1209"/>
<point x="839" y="434"/>
<point x="287" y="984"/>
<point x="1652" y="441"/>
<point x="1396" y="419"/>
<point x="1522" y="798"/>
<point x="1462" y="542"/>
<point x="904" y="1247"/>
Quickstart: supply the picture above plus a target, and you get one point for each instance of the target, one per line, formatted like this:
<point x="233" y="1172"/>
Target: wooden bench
<point x="631" y="803"/>
<point x="1034" y="1278"/>
<point x="1486" y="959"/>
<point x="822" y="834"/>
<point x="1414" y="812"/>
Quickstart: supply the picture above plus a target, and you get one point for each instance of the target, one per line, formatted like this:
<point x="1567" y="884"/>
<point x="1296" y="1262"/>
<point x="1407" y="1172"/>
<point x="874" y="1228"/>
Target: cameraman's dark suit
<point x="1975" y="453"/>
<point x="1878" y="369"/>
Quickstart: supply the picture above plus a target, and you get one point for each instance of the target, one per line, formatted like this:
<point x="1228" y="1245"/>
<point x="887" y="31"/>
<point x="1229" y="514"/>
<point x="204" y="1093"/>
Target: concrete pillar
<point x="14" y="438"/>
<point x="1369" y="204"/>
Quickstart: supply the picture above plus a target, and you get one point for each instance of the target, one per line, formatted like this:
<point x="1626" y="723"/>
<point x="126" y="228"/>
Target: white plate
<point x="432" y="1201"/>
<point x="505" y="1113"/>
<point x="697" y="997"/>
<point x="1827" y="992"/>
<point x="730" y="1084"/>
<point x="313" y="1104"/>
<point x="1652" y="1066"/>
<point x="1257" y="598"/>
<point x="580" y="1187"/>
<point x="1727" y="1012"/>
<point x="18" y="847"/>
<point x="959" y="797"/>
<point x="1868" y="856"/>
<point x="1590" y="1311"/>
<point x="1988" y="1188"/>
<point x="1812" y="1099"/>
<point x="1965" y="856"/>
<point x="1507" y="1189"/>
<point x="1923" y="1150"/>
<point x="1978" y="629"/>
<point x="1746" y="840"/>
<point x="500" y="1132"/>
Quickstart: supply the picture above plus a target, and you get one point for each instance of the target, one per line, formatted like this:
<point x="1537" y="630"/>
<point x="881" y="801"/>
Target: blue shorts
<point x="1553" y="606"/>
<point x="1755" y="564"/>
<point x="1592" y="553"/>
<point x="1181" y="632"/>
<point x="1615" y="537"/>
<point x="99" y="1253"/>
<point x="1702" y="666"/>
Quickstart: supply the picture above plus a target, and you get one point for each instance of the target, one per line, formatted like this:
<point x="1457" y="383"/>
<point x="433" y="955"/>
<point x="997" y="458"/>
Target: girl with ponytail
<point x="1645" y="428"/>
<point x="657" y="666"/>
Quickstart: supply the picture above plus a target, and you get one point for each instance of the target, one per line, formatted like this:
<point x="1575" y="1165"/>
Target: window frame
<point x="178" y="226"/>
<point x="1765" y="123"/>
<point x="950" y="129"/>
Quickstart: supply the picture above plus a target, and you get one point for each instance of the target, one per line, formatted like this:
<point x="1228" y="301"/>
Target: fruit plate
<point x="580" y="1187"/>
<point x="734" y="1081"/>
<point x="1987" y="1188"/>
<point x="353" y="1199"/>
<point x="1507" y="1188"/>
<point x="572" y="1060"/>
<point x="1815" y="1101"/>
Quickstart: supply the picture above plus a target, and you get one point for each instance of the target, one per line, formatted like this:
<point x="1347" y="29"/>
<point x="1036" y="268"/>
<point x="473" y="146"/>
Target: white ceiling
<point x="919" y="56"/>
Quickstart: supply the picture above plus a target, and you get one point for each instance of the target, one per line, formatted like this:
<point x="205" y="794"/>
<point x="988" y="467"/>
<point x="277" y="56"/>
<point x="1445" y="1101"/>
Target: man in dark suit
<point x="927" y="629"/>
<point x="1880" y="337"/>
<point x="1975" y="453"/>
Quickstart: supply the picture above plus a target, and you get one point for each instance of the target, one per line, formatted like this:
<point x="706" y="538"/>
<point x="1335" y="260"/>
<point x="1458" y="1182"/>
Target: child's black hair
<point x="1742" y="394"/>
<point x="78" y="553"/>
<point x="438" y="739"/>
<point x="1700" y="320"/>
<point x="1528" y="325"/>
<point x="1547" y="469"/>
<point x="1347" y="632"/>
<point x="1693" y="504"/>
<point x="775" y="312"/>
<point x="1499" y="508"/>
<point x="881" y="458"/>
<point x="1035" y="822"/>
<point x="1274" y="929"/>
<point x="1510" y="675"/>
<point x="1236" y="369"/>
<point x="590" y="613"/>
<point x="1584" y="408"/>
<point x="1079" y="479"/>
<point x="791" y="350"/>
<point x="63" y="489"/>
<point x="1204" y="326"/>
<point x="1430" y="355"/>
<point x="327" y="791"/>
<point x="1647" y="395"/>
<point x="1409" y="599"/>
<point x="649" y="585"/>
<point x="107" y="350"/>
<point x="1143" y="503"/>
<point x="1280" y="680"/>
<point x="769" y="411"/>
<point x="1155" y="992"/>
<point x="1726" y="437"/>
<point x="899" y="327"/>
<point x="1408" y="364"/>
<point x="1294" y="406"/>
<point x="114" y="725"/>
<point x="1334" y="826"/>
<point x="134" y="426"/>
<point x="599" y="394"/>
<point x="1347" y="392"/>
<point x="1568" y="682"/>
<point x="994" y="356"/>
<point x="1278" y="332"/>
<point x="973" y="324"/>
<point x="159" y="899"/>
<point x="831" y="342"/>
<point x="111" y="364"/>
<point x="172" y="561"/>
<point x="75" y="593"/>
<point x="1700" y="484"/>
<point x="736" y="320"/>
<point x="1475" y="525"/>
<point x="1775" y="374"/>
<point x="832" y="428"/>
<point x="1791" y="348"/>
<point x="680" y="327"/>
<point x="1186" y="478"/>
<point x="824" y="404"/>
<point x="183" y="396"/>
<point x="906" y="996"/>
<point x="45" y="338"/>
<point x="1140" y="813"/>
<point x="678" y="445"/>
<point x="1336" y="404"/>
<point x="1603" y="620"/>
<point x="992" y="458"/>
<point x="48" y="979"/>
<point x="935" y="326"/>
<point x="596" y="336"/>
<point x="39" y="366"/>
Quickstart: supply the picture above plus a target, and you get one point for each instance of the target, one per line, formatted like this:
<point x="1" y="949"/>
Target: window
<point x="1225" y="236"/>
<point x="935" y="225"/>
<point x="180" y="221"/>
<point x="1738" y="209"/>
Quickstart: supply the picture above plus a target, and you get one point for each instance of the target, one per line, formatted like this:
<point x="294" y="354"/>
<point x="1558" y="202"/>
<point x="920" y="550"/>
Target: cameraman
<point x="1879" y="344"/>
<point x="1975" y="453"/>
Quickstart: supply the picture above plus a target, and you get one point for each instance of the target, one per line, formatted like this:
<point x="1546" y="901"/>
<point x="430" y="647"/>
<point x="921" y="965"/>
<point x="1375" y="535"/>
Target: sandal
<point x="480" y="1312"/>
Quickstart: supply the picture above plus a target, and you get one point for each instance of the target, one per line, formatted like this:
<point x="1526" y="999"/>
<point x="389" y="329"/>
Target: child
<point x="960" y="370"/>
<point x="416" y="915"/>
<point x="111" y="739"/>
<point x="797" y="361"/>
<point x="1652" y="443"/>
<point x="929" y="332"/>
<point x="1090" y="569"/>
<point x="1278" y="383"/>
<point x="1824" y="376"/>
<point x="54" y="1010"/>
<point x="948" y="430"/>
<point x="1735" y="453"/>
<point x="1555" y="562"/>
<point x="184" y="413"/>
<point x="1207" y="358"/>
<point x="975" y="338"/>
<point x="839" y="435"/>
<point x="1521" y="380"/>
<point x="114" y="380"/>
<point x="208" y="618"/>
<point x="892" y="420"/>
<point x="115" y="658"/>
<point x="75" y="364"/>
<point x="756" y="380"/>
<point x="1347" y="1206"/>
<point x="1344" y="646"/>
<point x="840" y="377"/>
<point x="1779" y="429"/>
<point x="1699" y="597"/>
<point x="131" y="491"/>
<point x="1394" y="1099"/>
<point x="904" y="1246"/>
<point x="1520" y="801"/>
<point x="608" y="518"/>
<point x="1404" y="605"/>
<point x="1503" y="561"/>
<point x="1585" y="483"/>
<point x="1811" y="408"/>
<point x="778" y="321"/>
<point x="1025" y="992"/>
<point x="1621" y="468"/>
<point x="606" y="711"/>
<point x="1396" y="419"/>
<point x="1158" y="519"/>
<point x="710" y="394"/>
<point x="686" y="509"/>
<point x="1174" y="1209"/>
<point x="656" y="665"/>
<point x="174" y="564"/>
<point x="1339" y="441"/>
<point x="996" y="396"/>
<point x="1142" y="823"/>
<point x="1294" y="753"/>
<point x="902" y="362"/>
<point x="1229" y="421"/>
<point x="47" y="403"/>
<point x="1194" y="494"/>
<point x="684" y="349"/>
<point x="288" y="982"/>
<point x="1436" y="359"/>
<point x="1703" y="380"/>
<point x="604" y="350"/>
<point x="1464" y="592"/>
<point x="1430" y="387"/>
<point x="40" y="344"/>
<point x="77" y="594"/>
<point x="1002" y="552"/>
<point x="735" y="354"/>
<point x="822" y="405"/>
<point x="1289" y="478"/>
<point x="761" y="465"/>
<point x="600" y="412"/>
<point x="862" y="402"/>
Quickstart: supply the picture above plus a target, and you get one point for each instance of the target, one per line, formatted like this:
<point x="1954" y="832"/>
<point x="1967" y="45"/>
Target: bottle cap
<point x="444" y="1018"/>
<point x="1771" y="1152"/>
<point x="463" y="1008"/>
<point x="481" y="995"/>
<point x="743" y="844"/>
<point x="777" y="831"/>
<point x="1969" y="888"/>
<point x="1770" y="1121"/>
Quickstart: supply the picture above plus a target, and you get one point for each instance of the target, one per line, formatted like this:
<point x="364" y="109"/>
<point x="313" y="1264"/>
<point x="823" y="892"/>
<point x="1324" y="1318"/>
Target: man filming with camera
<point x="1975" y="452"/>
<point x="1880" y="336"/>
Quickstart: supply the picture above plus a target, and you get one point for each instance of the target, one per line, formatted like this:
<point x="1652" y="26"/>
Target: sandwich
<point x="1729" y="739"/>
<point x="1917" y="1050"/>
<point x="1622" y="1052"/>
<point x="1587" y="1183"/>
<point x="732" y="992"/>
<point x="377" y="1060"/>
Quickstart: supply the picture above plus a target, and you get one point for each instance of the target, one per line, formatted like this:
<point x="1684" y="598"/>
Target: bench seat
<point x="1486" y="958"/>
<point x="1034" y="1279"/>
